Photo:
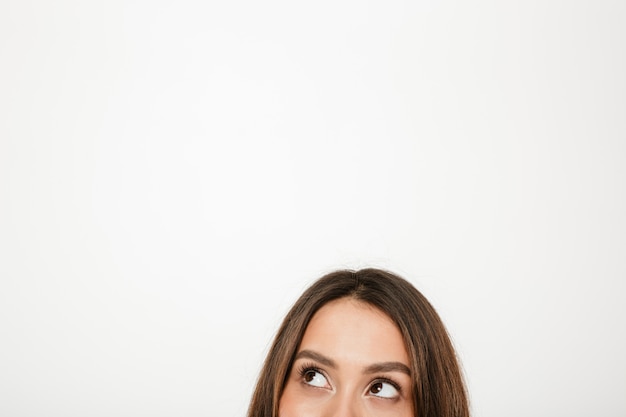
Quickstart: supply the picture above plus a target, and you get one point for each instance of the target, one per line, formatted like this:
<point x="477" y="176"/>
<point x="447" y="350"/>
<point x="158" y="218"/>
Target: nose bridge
<point x="345" y="403"/>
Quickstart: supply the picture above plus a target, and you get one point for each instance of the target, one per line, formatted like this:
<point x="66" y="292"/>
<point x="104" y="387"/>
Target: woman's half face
<point x="351" y="362"/>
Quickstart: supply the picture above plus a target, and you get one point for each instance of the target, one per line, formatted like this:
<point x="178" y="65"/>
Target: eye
<point x="314" y="378"/>
<point x="384" y="389"/>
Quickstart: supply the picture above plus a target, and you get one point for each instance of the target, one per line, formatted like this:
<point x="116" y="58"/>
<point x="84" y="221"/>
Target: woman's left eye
<point x="384" y="390"/>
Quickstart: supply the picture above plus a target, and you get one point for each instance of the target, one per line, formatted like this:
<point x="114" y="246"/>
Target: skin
<point x="351" y="363"/>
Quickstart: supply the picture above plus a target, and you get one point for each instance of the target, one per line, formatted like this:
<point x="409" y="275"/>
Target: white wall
<point x="174" y="174"/>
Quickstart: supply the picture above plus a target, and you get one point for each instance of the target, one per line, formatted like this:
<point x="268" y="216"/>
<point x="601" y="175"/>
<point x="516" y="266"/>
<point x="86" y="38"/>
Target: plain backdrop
<point x="174" y="174"/>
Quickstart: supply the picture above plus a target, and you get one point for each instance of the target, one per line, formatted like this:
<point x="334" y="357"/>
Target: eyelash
<point x="387" y="381"/>
<point x="307" y="367"/>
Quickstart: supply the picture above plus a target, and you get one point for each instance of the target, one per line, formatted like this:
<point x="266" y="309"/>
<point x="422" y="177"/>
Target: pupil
<point x="309" y="376"/>
<point x="377" y="387"/>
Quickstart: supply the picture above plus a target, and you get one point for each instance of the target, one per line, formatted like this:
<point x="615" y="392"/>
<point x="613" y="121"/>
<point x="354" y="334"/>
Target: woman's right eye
<point x="315" y="378"/>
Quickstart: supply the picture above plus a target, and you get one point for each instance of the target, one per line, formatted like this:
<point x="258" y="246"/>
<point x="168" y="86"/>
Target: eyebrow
<point x="371" y="369"/>
<point x="318" y="357"/>
<point x="388" y="367"/>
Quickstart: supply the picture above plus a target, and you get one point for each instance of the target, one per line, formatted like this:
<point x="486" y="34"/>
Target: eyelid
<point x="306" y="366"/>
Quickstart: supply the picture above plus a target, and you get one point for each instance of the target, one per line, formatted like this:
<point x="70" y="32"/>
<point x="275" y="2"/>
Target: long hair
<point x="438" y="386"/>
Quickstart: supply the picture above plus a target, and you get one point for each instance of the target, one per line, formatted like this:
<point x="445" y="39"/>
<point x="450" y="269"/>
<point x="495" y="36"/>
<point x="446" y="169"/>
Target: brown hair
<point x="438" y="387"/>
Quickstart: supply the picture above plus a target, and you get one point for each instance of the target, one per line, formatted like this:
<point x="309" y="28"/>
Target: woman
<point x="361" y="343"/>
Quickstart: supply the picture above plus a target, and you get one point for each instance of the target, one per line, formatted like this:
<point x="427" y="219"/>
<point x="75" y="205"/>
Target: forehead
<point x="354" y="332"/>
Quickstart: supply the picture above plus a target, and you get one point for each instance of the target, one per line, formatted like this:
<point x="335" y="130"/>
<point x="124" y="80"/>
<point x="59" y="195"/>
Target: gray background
<point x="174" y="174"/>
